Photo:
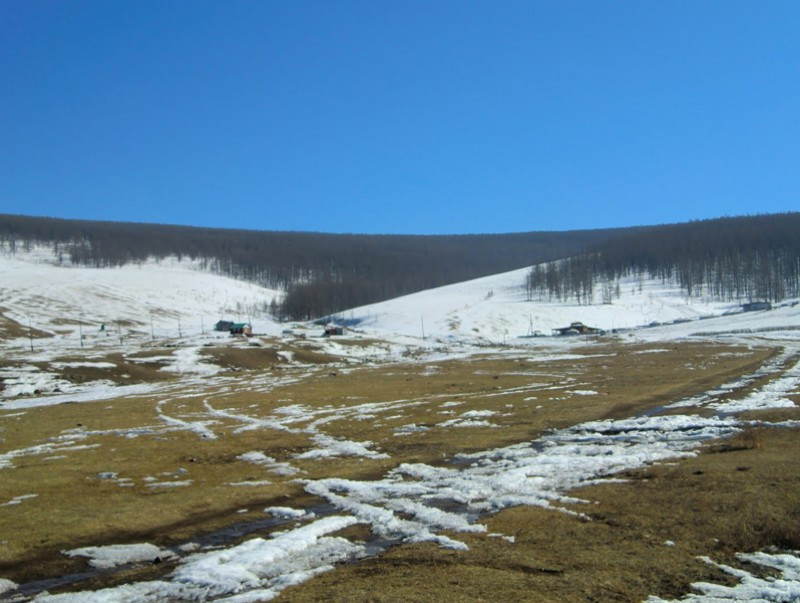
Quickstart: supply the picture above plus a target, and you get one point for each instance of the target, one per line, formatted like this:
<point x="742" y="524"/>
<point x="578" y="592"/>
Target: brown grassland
<point x="737" y="495"/>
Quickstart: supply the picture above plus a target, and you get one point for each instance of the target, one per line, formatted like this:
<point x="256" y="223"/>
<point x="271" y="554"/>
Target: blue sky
<point x="402" y="116"/>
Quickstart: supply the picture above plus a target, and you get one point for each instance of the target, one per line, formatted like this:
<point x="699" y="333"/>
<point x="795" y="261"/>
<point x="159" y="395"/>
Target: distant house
<point x="756" y="306"/>
<point x="333" y="330"/>
<point x="577" y="328"/>
<point x="241" y="328"/>
<point x="223" y="326"/>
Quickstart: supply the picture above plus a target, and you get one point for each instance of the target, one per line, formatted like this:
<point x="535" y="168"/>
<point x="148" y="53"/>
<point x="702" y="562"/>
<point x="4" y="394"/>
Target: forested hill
<point x="741" y="258"/>
<point x="756" y="257"/>
<point x="322" y="273"/>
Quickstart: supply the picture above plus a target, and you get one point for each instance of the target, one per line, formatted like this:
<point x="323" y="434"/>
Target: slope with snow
<point x="168" y="296"/>
<point x="495" y="309"/>
<point x="173" y="297"/>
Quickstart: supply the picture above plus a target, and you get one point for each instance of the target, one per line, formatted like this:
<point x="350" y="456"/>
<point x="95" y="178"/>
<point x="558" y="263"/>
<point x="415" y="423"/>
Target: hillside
<point x="323" y="272"/>
<point x="173" y="298"/>
<point x="730" y="260"/>
<point x="496" y="309"/>
<point x="734" y="259"/>
<point x="150" y="298"/>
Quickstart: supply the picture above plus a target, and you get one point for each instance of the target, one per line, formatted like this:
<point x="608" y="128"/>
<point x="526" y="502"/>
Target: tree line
<point x="321" y="273"/>
<point x="743" y="258"/>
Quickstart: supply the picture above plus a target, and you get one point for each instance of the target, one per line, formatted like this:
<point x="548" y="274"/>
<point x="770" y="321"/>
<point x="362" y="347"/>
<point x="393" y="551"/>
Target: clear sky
<point x="399" y="116"/>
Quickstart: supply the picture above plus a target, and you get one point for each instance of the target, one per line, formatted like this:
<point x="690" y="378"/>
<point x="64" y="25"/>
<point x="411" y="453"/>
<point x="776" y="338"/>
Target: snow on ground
<point x="418" y="502"/>
<point x="187" y="360"/>
<point x="174" y="297"/>
<point x="532" y="473"/>
<point x="171" y="296"/>
<point x="269" y="463"/>
<point x="785" y="587"/>
<point x="495" y="308"/>
<point x="328" y="446"/>
<point x="768" y="396"/>
<point x="255" y="570"/>
<point x="772" y="395"/>
<point x="53" y="447"/>
<point x="6" y="585"/>
<point x="104" y="557"/>
<point x="414" y="502"/>
<point x="29" y="381"/>
<point x="17" y="500"/>
<point x="93" y="392"/>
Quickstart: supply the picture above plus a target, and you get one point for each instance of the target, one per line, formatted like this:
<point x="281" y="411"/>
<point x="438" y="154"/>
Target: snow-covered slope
<point x="496" y="308"/>
<point x="173" y="297"/>
<point x="169" y="295"/>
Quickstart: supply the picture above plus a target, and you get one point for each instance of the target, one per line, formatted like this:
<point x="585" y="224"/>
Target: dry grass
<point x="714" y="504"/>
<point x="748" y="439"/>
<point x="11" y="329"/>
<point x="75" y="507"/>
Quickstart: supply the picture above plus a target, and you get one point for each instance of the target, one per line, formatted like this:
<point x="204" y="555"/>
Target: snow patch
<point x="333" y="447"/>
<point x="259" y="458"/>
<point x="785" y="587"/>
<point x="105" y="557"/>
<point x="18" y="499"/>
<point x="6" y="585"/>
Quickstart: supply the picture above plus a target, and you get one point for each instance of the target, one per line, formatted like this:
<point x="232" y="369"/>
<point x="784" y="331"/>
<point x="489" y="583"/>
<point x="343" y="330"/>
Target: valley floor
<point x="358" y="469"/>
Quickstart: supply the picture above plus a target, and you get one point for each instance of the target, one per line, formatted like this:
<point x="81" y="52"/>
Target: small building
<point x="577" y="328"/>
<point x="333" y="330"/>
<point x="241" y="328"/>
<point x="223" y="326"/>
<point x="756" y="306"/>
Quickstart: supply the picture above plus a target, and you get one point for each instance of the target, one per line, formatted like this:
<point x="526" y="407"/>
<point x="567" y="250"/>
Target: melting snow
<point x="285" y="512"/>
<point x="330" y="447"/>
<point x="537" y="473"/>
<point x="259" y="458"/>
<point x="104" y="557"/>
<point x="92" y="392"/>
<point x="409" y="429"/>
<point x="784" y="588"/>
<point x="187" y="360"/>
<point x="772" y="395"/>
<point x="82" y="364"/>
<point x="6" y="585"/>
<point x="18" y="499"/>
<point x="255" y="570"/>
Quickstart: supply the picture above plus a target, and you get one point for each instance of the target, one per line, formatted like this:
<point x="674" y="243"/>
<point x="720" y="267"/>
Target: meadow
<point x="261" y="438"/>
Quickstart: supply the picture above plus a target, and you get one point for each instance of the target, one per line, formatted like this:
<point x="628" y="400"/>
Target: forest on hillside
<point x="742" y="258"/>
<point x="321" y="273"/>
<point x="737" y="259"/>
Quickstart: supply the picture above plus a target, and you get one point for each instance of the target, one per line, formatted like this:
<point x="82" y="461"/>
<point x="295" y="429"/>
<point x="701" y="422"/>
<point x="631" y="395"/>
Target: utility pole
<point x="80" y="331"/>
<point x="119" y="332"/>
<point x="422" y="322"/>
